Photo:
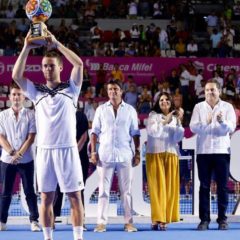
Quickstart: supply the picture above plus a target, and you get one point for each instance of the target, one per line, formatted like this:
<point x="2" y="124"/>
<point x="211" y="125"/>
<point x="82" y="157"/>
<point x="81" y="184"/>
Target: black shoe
<point x="222" y="225"/>
<point x="154" y="227"/>
<point x="203" y="225"/>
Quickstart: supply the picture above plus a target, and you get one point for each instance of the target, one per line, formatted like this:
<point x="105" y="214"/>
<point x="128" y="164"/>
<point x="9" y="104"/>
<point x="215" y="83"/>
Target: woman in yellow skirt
<point x="164" y="131"/>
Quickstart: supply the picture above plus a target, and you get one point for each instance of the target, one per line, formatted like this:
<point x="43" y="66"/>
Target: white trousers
<point x="125" y="176"/>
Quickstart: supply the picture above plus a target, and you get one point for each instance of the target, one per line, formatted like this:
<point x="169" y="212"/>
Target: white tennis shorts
<point x="62" y="166"/>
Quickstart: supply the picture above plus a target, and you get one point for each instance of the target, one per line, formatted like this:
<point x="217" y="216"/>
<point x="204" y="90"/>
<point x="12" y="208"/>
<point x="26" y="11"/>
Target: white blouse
<point x="163" y="138"/>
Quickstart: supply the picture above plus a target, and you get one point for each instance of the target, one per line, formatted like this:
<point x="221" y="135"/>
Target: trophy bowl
<point x="38" y="11"/>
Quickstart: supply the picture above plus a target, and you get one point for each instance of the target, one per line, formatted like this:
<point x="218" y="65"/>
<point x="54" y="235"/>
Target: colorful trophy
<point x="38" y="11"/>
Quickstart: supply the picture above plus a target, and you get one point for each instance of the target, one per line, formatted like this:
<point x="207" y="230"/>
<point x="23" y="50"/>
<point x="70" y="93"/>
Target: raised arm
<point x="74" y="59"/>
<point x="19" y="67"/>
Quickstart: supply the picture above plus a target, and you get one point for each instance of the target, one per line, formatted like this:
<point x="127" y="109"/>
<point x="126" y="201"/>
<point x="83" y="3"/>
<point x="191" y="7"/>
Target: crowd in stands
<point x="177" y="39"/>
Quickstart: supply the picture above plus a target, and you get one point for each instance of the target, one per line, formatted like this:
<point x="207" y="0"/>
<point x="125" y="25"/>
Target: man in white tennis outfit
<point x="57" y="157"/>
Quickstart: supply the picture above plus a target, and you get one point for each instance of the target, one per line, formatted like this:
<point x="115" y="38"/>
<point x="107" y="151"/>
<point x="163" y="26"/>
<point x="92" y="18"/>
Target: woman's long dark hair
<point x="156" y="108"/>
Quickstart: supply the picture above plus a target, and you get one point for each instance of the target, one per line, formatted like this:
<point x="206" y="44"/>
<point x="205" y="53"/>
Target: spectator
<point x="144" y="102"/>
<point x="10" y="13"/>
<point x="133" y="9"/>
<point x="229" y="88"/>
<point x="131" y="52"/>
<point x="228" y="13"/>
<point x="174" y="81"/>
<point x="20" y="13"/>
<point x="142" y="51"/>
<point x="212" y="22"/>
<point x="229" y="36"/>
<point x="86" y="81"/>
<point x="215" y="38"/>
<point x="154" y="85"/>
<point x="157" y="11"/>
<point x="96" y="33"/>
<point x="144" y="8"/>
<point x="185" y="78"/>
<point x="142" y="34"/>
<point x="131" y="95"/>
<point x="101" y="75"/>
<point x="128" y="83"/>
<point x="108" y="51"/>
<point x="117" y="73"/>
<point x="134" y="32"/>
<point x="236" y="10"/>
<point x="180" y="48"/>
<point x="118" y="36"/>
<point x="99" y="49"/>
<point x="160" y="90"/>
<point x="163" y="39"/>
<point x="200" y="92"/>
<point x="22" y="26"/>
<point x="89" y="14"/>
<point x="89" y="110"/>
<point x="177" y="99"/>
<point x="192" y="48"/>
<point x="198" y="80"/>
<point x="172" y="33"/>
<point x="219" y="79"/>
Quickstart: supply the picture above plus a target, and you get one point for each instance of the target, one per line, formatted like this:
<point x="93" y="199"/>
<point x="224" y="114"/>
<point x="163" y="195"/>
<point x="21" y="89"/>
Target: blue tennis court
<point x="114" y="231"/>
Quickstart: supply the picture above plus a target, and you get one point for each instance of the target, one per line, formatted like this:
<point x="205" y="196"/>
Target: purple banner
<point x="141" y="68"/>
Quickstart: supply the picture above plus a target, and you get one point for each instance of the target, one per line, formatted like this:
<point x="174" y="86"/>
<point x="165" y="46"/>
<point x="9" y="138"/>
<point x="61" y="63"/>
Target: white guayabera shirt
<point x="115" y="133"/>
<point x="213" y="137"/>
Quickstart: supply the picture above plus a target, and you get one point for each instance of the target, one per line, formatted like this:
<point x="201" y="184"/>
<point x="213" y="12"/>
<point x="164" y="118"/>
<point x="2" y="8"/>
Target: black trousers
<point x="57" y="203"/>
<point x="8" y="175"/>
<point x="207" y="164"/>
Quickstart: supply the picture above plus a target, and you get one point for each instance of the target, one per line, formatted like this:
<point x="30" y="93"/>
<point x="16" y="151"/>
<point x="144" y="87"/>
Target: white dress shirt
<point x="163" y="138"/>
<point x="213" y="137"/>
<point x="115" y="133"/>
<point x="16" y="131"/>
<point x="198" y="80"/>
<point x="185" y="77"/>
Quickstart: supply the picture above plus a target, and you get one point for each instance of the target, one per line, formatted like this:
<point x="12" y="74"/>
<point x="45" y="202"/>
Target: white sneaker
<point x="35" y="227"/>
<point x="3" y="226"/>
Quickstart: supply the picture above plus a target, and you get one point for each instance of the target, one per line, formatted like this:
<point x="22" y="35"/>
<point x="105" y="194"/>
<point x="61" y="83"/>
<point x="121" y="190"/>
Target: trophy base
<point x="38" y="33"/>
<point x="37" y="41"/>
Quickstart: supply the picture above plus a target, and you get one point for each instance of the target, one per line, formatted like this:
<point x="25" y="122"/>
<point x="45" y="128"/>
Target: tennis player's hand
<point x="52" y="42"/>
<point x="136" y="158"/>
<point x="28" y="44"/>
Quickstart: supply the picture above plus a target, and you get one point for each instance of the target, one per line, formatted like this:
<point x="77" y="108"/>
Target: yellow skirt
<point x="163" y="184"/>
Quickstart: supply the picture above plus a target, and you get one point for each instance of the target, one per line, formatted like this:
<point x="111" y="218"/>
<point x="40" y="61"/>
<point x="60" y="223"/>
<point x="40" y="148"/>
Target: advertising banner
<point x="142" y="69"/>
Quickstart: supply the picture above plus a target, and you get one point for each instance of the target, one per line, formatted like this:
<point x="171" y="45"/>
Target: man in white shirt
<point x="57" y="156"/>
<point x="198" y="80"/>
<point x="17" y="133"/>
<point x="213" y="120"/>
<point x="115" y="126"/>
<point x="192" y="48"/>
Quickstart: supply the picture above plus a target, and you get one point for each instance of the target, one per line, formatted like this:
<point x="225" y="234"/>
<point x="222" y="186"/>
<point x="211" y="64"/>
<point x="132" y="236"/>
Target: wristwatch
<point x="11" y="153"/>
